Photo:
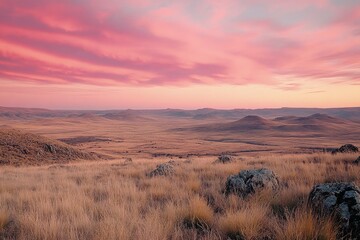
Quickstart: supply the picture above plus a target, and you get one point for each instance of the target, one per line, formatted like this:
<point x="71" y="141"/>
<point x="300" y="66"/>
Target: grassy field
<point x="117" y="200"/>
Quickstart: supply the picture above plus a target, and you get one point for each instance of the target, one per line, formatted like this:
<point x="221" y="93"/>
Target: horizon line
<point x="182" y="109"/>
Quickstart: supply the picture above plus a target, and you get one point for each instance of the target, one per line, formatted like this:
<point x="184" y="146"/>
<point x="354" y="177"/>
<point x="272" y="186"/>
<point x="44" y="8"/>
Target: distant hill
<point x="352" y="113"/>
<point x="317" y="118"/>
<point x="21" y="148"/>
<point x="24" y="113"/>
<point x="202" y="114"/>
<point x="313" y="123"/>
<point x="247" y="123"/>
<point x="126" y="115"/>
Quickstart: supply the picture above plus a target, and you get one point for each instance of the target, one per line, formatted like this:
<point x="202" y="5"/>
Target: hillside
<point x="20" y="148"/>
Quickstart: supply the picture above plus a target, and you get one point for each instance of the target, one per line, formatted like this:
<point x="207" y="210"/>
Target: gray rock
<point x="164" y="169"/>
<point x="224" y="159"/>
<point x="251" y="181"/>
<point x="50" y="148"/>
<point x="341" y="200"/>
<point x="347" y="148"/>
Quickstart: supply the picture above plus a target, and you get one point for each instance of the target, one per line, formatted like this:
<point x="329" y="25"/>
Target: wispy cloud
<point x="179" y="42"/>
<point x="314" y="92"/>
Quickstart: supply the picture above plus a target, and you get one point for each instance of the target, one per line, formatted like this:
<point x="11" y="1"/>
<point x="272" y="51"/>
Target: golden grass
<point x="303" y="225"/>
<point x="4" y="219"/>
<point x="199" y="214"/>
<point x="248" y="222"/>
<point x="109" y="200"/>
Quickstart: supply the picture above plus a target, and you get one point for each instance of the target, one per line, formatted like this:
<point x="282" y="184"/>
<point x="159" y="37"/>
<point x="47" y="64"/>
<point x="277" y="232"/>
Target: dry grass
<point x="199" y="214"/>
<point x="110" y="200"/>
<point x="248" y="222"/>
<point x="303" y="224"/>
<point x="4" y="219"/>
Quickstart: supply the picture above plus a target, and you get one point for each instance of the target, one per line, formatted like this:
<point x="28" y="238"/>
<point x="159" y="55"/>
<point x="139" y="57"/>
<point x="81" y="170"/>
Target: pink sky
<point x="94" y="54"/>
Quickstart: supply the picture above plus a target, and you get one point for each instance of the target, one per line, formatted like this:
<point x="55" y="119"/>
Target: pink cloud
<point x="162" y="43"/>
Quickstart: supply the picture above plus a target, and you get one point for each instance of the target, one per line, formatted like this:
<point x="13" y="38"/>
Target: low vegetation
<point x="112" y="200"/>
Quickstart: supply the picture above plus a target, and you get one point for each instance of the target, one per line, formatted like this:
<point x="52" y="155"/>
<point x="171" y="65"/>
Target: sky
<point x="142" y="54"/>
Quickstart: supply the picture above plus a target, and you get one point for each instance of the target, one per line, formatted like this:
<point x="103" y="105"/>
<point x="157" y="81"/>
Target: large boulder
<point x="251" y="181"/>
<point x="164" y="169"/>
<point x="347" y="148"/>
<point x="224" y="159"/>
<point x="341" y="200"/>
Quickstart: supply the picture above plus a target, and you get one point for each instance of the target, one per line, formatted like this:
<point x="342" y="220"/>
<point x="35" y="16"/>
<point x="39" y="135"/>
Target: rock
<point x="128" y="160"/>
<point x="341" y="200"/>
<point x="50" y="148"/>
<point x="224" y="159"/>
<point x="251" y="181"/>
<point x="357" y="161"/>
<point x="24" y="151"/>
<point x="347" y="148"/>
<point x="164" y="169"/>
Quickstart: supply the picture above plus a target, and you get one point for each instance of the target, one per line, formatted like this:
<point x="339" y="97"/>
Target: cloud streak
<point x="153" y="43"/>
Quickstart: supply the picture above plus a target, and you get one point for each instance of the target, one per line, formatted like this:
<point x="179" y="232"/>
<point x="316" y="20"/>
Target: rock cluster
<point x="251" y="181"/>
<point x="338" y="200"/>
<point x="341" y="200"/>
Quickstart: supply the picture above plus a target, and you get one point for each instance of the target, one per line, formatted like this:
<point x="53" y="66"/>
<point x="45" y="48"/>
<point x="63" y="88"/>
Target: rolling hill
<point x="319" y="123"/>
<point x="198" y="114"/>
<point x="21" y="148"/>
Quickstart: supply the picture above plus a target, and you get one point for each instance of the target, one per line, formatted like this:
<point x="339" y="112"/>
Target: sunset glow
<point x="179" y="54"/>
